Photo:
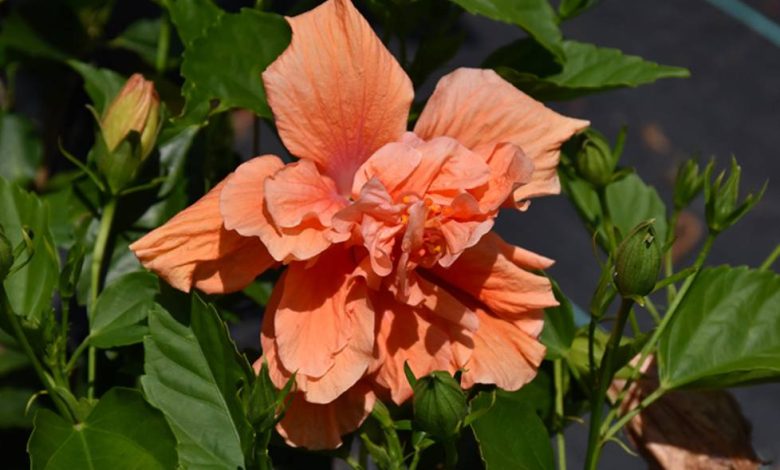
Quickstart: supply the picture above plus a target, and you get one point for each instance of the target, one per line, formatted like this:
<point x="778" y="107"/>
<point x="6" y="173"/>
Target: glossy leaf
<point x="559" y="329"/>
<point x="21" y="151"/>
<point x="226" y="63"/>
<point x="587" y="69"/>
<point x="536" y="17"/>
<point x="726" y="331"/>
<point x="512" y="437"/>
<point x="101" y="84"/>
<point x="30" y="289"/>
<point x="193" y="374"/>
<point x="571" y="8"/>
<point x="631" y="202"/>
<point x="119" y="316"/>
<point x="121" y="432"/>
<point x="192" y="17"/>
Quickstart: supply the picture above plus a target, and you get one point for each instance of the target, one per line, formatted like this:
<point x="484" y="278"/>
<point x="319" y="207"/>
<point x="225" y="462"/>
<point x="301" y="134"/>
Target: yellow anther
<point x="447" y="211"/>
<point x="437" y="249"/>
<point x="435" y="207"/>
<point x="428" y="202"/>
<point x="404" y="218"/>
<point x="407" y="199"/>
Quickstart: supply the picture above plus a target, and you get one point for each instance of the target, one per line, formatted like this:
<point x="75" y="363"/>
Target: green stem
<point x="770" y="260"/>
<point x="98" y="262"/>
<point x="560" y="439"/>
<point x="606" y="372"/>
<point x="652" y="342"/>
<point x="609" y="227"/>
<point x="650" y="306"/>
<point x="75" y="356"/>
<point x="649" y="400"/>
<point x="635" y="329"/>
<point x="163" y="45"/>
<point x="671" y="290"/>
<point x="21" y="337"/>
<point x="450" y="454"/>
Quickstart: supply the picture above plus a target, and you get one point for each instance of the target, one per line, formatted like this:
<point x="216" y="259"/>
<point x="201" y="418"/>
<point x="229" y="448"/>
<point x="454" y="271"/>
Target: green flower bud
<point x="638" y="261"/>
<point x="596" y="162"/>
<point x="439" y="405"/>
<point x="688" y="184"/>
<point x="6" y="256"/>
<point x="128" y="132"/>
<point x="721" y="198"/>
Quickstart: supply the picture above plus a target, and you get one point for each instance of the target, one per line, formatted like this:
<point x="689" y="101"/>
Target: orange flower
<point x="385" y="233"/>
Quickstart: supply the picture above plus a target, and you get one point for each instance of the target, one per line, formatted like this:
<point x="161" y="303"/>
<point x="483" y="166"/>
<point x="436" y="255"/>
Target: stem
<point x="606" y="373"/>
<point x="635" y="330"/>
<point x="770" y="260"/>
<point x="21" y="337"/>
<point x="450" y="454"/>
<point x="651" y="343"/>
<point x="608" y="225"/>
<point x="561" y="440"/>
<point x="649" y="400"/>
<point x="671" y="290"/>
<point x="163" y="45"/>
<point x="98" y="261"/>
<point x="650" y="306"/>
<point x="75" y="356"/>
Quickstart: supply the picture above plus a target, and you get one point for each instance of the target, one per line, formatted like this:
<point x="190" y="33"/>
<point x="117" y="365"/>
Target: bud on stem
<point x="638" y="262"/>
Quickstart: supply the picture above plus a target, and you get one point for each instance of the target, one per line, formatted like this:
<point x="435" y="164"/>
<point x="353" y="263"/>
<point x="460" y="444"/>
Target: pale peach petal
<point x="493" y="272"/>
<point x="194" y="249"/>
<point x="298" y="192"/>
<point x="320" y="426"/>
<point x="245" y="210"/>
<point x="410" y="334"/>
<point x="337" y="94"/>
<point x="477" y="107"/>
<point x="510" y="168"/>
<point x="503" y="354"/>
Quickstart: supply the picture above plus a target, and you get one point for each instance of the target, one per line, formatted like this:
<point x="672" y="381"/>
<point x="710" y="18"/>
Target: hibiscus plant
<point x="139" y="254"/>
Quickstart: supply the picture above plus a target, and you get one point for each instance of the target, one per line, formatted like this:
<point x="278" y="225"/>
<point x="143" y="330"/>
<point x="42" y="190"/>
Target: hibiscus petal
<point x="320" y="426"/>
<point x="493" y="272"/>
<point x="503" y="354"/>
<point x="245" y="210"/>
<point x="337" y="93"/>
<point x="194" y="249"/>
<point x="477" y="107"/>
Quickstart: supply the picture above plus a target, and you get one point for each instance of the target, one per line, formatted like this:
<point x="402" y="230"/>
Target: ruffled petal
<point x="320" y="426"/>
<point x="321" y="327"/>
<point x="246" y="211"/>
<point x="477" y="107"/>
<point x="495" y="273"/>
<point x="504" y="354"/>
<point x="337" y="93"/>
<point x="194" y="249"/>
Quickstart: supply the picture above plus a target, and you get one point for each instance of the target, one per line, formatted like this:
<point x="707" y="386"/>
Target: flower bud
<point x="128" y="131"/>
<point x="721" y="198"/>
<point x="688" y="184"/>
<point x="6" y="256"/>
<point x="596" y="162"/>
<point x="638" y="261"/>
<point x="439" y="405"/>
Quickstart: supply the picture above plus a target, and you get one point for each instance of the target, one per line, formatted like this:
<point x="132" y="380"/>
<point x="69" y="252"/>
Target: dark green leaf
<point x="101" y="84"/>
<point x="511" y="436"/>
<point x="538" y="394"/>
<point x="259" y="291"/>
<point x="631" y="202"/>
<point x="16" y="33"/>
<point x="122" y="432"/>
<point x="726" y="331"/>
<point x="536" y="17"/>
<point x="587" y="69"/>
<point x="30" y="289"/>
<point x="11" y="359"/>
<point x="20" y="149"/>
<point x="226" y="63"/>
<point x="193" y="374"/>
<point x="571" y="8"/>
<point x="13" y="407"/>
<point x="119" y="316"/>
<point x="558" y="332"/>
<point x="192" y="17"/>
<point x="141" y="37"/>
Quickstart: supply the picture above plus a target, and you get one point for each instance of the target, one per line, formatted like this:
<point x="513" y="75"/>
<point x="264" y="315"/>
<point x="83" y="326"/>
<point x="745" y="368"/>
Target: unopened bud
<point x="721" y="198"/>
<point x="688" y="184"/>
<point x="6" y="256"/>
<point x="638" y="261"/>
<point x="128" y="130"/>
<point x="439" y="405"/>
<point x="596" y="162"/>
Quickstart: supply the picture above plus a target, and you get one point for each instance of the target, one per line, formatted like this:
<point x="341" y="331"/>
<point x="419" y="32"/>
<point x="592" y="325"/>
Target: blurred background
<point x="730" y="105"/>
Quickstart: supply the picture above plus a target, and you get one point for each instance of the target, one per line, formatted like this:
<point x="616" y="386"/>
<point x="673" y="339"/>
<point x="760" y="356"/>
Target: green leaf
<point x="511" y="436"/>
<point x="192" y="17"/>
<point x="11" y="359"/>
<point x="17" y="34"/>
<point x="30" y="289"/>
<point x="259" y="291"/>
<point x="558" y="332"/>
<point x="726" y="331"/>
<point x="21" y="151"/>
<point x="193" y="374"/>
<point x="101" y="84"/>
<point x="570" y="8"/>
<point x="536" y="17"/>
<point x="141" y="37"/>
<point x="13" y="407"/>
<point x="226" y="63"/>
<point x="121" y="432"/>
<point x="587" y="69"/>
<point x="119" y="316"/>
<point x="631" y="202"/>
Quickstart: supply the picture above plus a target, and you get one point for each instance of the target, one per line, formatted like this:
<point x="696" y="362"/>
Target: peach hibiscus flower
<point x="385" y="234"/>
